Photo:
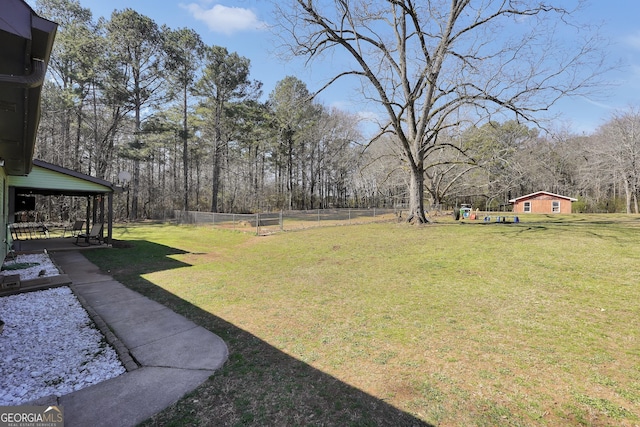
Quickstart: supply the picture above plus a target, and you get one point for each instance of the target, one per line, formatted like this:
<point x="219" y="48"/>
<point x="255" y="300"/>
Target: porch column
<point x="88" y="226"/>
<point x="109" y="218"/>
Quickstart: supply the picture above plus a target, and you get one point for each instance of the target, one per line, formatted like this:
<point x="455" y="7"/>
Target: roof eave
<point x="531" y="195"/>
<point x="28" y="42"/>
<point x="75" y="174"/>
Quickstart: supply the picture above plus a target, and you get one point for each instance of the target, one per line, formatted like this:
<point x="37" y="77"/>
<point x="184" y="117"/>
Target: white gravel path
<point x="49" y="345"/>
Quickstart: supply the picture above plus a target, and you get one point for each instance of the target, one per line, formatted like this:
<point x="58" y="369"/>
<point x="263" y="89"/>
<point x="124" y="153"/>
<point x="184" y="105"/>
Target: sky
<point x="242" y="26"/>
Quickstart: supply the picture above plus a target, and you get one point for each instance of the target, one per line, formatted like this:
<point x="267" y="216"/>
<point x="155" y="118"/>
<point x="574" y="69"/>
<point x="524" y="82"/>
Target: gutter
<point x="29" y="81"/>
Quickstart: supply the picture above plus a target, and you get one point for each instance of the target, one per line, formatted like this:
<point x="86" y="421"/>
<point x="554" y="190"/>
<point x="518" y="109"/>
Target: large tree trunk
<point x="135" y="183"/>
<point x="635" y="196"/>
<point x="416" y="195"/>
<point x="218" y="150"/>
<point x="627" y="190"/>
<point x="290" y="185"/>
<point x="135" y="186"/>
<point x="185" y="150"/>
<point x="215" y="178"/>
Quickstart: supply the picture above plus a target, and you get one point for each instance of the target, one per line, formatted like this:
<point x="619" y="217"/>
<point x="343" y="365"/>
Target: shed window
<point x="527" y="206"/>
<point x="555" y="206"/>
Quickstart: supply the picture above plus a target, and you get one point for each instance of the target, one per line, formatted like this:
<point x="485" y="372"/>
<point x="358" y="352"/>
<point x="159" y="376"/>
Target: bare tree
<point x="429" y="63"/>
<point x="619" y="144"/>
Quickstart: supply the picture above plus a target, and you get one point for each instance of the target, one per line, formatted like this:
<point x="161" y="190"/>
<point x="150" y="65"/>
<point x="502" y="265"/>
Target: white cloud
<point x="341" y="105"/>
<point x="598" y="104"/>
<point x="226" y="20"/>
<point x="369" y="116"/>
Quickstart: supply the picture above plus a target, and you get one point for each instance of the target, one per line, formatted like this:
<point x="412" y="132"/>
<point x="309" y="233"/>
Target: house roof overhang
<point x="541" y="193"/>
<point x="49" y="179"/>
<point x="27" y="41"/>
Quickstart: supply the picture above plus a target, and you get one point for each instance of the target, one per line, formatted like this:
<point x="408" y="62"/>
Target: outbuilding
<point x="542" y="202"/>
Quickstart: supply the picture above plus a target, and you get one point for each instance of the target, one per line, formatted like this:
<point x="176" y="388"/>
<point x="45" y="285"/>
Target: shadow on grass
<point x="560" y="229"/>
<point x="259" y="384"/>
<point x="596" y="228"/>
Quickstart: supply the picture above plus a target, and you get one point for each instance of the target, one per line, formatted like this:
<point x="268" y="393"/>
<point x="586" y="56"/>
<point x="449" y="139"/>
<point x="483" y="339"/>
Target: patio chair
<point x="94" y="234"/>
<point x="75" y="229"/>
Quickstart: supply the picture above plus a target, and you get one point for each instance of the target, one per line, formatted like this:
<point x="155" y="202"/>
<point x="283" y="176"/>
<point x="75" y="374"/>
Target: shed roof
<point x="48" y="179"/>
<point x="540" y="193"/>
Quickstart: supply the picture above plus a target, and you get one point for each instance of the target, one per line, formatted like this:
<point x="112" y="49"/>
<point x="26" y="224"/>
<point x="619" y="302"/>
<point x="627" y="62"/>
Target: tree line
<point x="196" y="132"/>
<point x="186" y="121"/>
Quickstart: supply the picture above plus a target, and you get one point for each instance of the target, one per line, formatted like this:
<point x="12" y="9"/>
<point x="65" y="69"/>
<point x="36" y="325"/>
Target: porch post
<point x="94" y="211"/>
<point x="109" y="218"/>
<point x="101" y="196"/>
<point x="88" y="226"/>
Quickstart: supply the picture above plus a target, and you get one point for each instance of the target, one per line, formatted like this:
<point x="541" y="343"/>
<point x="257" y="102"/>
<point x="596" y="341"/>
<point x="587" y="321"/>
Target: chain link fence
<point x="267" y="223"/>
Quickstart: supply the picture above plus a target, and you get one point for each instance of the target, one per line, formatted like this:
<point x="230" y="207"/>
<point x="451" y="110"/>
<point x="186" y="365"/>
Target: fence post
<point x="257" y="224"/>
<point x="318" y="215"/>
<point x="281" y="222"/>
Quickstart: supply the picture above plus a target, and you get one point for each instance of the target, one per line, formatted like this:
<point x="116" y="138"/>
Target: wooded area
<point x="197" y="133"/>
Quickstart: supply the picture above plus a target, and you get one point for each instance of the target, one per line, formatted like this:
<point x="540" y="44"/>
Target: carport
<point x="51" y="180"/>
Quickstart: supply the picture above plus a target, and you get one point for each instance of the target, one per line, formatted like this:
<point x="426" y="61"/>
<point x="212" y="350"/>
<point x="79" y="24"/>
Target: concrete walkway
<point x="165" y="354"/>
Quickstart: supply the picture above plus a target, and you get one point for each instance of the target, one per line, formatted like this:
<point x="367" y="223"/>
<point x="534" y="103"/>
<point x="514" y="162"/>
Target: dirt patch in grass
<point x="121" y="244"/>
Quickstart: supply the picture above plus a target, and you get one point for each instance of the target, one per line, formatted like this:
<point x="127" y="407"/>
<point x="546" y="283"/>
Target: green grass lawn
<point x="536" y="323"/>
